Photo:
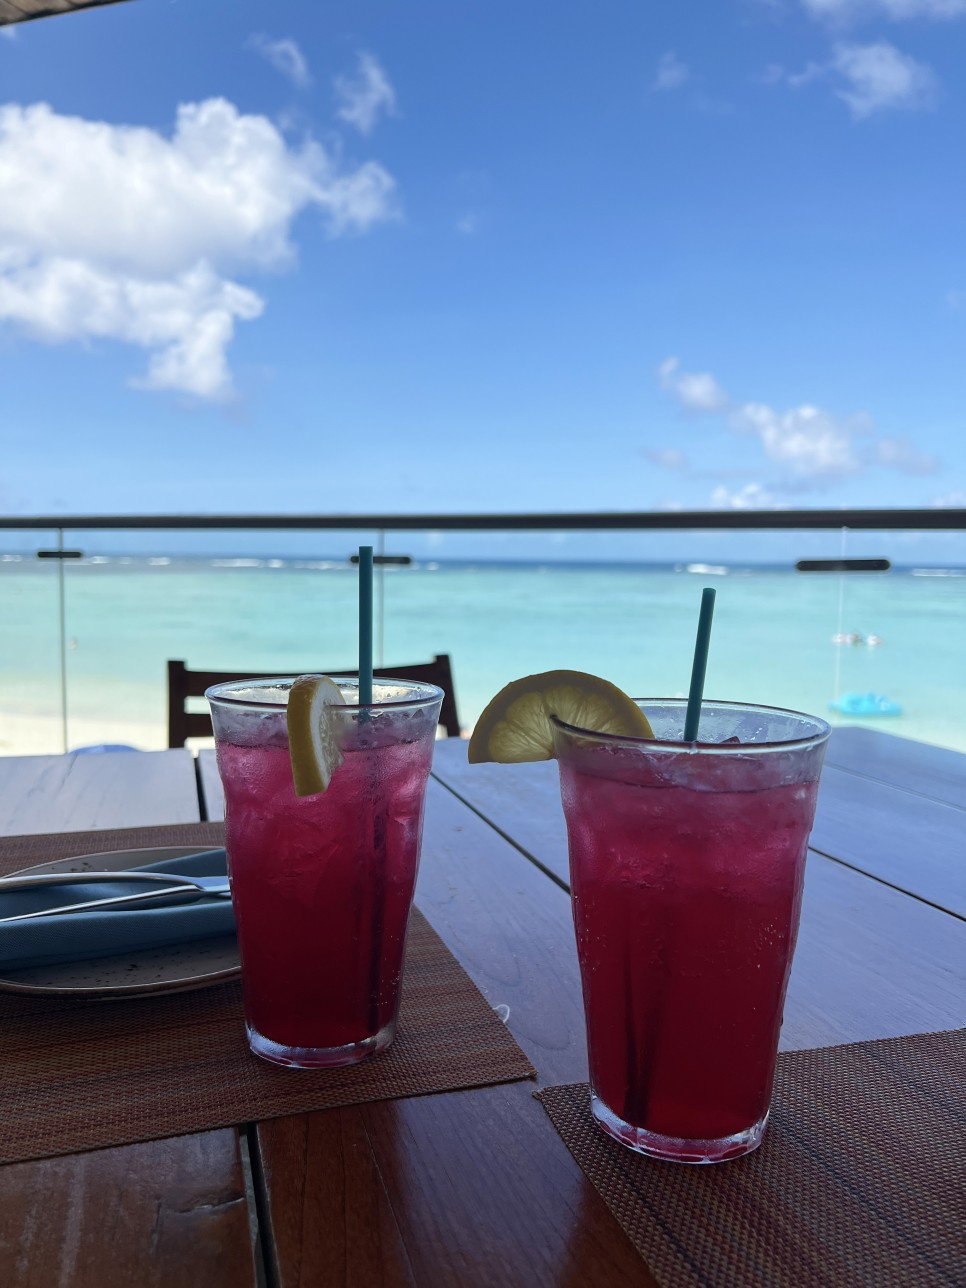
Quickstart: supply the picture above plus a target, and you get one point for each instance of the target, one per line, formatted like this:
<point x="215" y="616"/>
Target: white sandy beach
<point x="39" y="735"/>
<point x="32" y="735"/>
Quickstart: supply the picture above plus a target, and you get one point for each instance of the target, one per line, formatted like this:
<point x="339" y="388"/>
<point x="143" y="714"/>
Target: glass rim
<point x="428" y="693"/>
<point x="822" y="730"/>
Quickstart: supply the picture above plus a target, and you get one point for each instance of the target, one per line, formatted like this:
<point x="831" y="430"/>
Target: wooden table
<point x="474" y="1188"/>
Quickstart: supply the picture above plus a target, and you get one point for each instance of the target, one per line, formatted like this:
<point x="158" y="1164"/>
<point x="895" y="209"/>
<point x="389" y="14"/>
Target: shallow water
<point x="772" y="640"/>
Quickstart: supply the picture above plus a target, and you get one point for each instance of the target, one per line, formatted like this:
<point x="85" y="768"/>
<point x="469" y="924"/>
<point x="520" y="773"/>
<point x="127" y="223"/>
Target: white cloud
<point x="285" y="56"/>
<point x="808" y="445"/>
<point x="896" y="10"/>
<point x="468" y="224"/>
<point x="363" y="97"/>
<point x="187" y="321"/>
<point x="868" y="78"/>
<point x="671" y="73"/>
<point x="956" y="300"/>
<point x="879" y="76"/>
<point x="750" y="497"/>
<point x="812" y="443"/>
<point x="950" y="501"/>
<point x="775" y="74"/>
<point x="697" y="391"/>
<point x="117" y="232"/>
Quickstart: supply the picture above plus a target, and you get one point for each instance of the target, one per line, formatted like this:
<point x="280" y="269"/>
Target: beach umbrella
<point x="21" y="10"/>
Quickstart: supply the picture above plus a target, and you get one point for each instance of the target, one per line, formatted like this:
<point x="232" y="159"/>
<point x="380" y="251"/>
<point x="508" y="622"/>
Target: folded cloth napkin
<point x="78" y="936"/>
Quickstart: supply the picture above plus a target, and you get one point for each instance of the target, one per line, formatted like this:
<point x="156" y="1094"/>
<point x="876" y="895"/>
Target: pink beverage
<point x="687" y="864"/>
<point x="322" y="885"/>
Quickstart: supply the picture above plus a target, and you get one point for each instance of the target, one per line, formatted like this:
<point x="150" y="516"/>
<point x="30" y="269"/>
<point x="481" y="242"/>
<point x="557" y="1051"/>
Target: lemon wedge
<point x="313" y="741"/>
<point x="515" y="726"/>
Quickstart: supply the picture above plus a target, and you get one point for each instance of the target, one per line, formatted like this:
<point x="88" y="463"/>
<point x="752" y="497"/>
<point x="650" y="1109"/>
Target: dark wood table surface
<point x="474" y="1187"/>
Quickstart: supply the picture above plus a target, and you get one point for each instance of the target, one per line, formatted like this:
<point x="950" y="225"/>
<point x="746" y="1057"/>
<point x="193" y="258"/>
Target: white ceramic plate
<point x="198" y="964"/>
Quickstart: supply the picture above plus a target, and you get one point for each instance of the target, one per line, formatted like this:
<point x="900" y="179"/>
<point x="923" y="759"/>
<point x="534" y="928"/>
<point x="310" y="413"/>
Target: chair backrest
<point x="184" y="684"/>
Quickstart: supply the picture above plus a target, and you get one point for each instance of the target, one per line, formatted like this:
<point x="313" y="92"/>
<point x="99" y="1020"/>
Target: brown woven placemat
<point x="860" y="1180"/>
<point x="82" y="1075"/>
<point x="24" y="851"/>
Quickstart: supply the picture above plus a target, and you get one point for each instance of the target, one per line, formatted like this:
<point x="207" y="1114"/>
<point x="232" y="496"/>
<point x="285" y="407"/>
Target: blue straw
<point x="365" y="625"/>
<point x="699" y="666"/>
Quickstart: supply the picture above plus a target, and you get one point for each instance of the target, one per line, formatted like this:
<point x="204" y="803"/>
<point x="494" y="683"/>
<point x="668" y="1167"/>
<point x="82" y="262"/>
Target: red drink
<point x="687" y="871"/>
<point x="322" y="885"/>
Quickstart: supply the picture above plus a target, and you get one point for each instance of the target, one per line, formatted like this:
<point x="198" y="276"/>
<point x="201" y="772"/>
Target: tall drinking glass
<point x="687" y="862"/>
<point x="322" y="885"/>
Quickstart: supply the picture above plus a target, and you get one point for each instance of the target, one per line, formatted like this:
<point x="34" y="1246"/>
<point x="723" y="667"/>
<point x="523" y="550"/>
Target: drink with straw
<point x="687" y="862"/>
<point x="687" y="858"/>
<point x="324" y="783"/>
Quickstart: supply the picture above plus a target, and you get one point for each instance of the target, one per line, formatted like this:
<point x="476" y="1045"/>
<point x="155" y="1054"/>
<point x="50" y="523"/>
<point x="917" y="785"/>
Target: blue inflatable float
<point x="865" y="704"/>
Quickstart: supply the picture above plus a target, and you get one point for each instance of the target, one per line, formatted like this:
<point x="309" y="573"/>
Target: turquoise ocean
<point x="773" y="639"/>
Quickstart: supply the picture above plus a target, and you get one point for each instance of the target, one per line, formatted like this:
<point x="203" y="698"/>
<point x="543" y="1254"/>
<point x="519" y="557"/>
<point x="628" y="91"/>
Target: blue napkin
<point x="78" y="936"/>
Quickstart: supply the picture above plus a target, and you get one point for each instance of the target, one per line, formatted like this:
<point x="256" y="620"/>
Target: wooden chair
<point x="184" y="684"/>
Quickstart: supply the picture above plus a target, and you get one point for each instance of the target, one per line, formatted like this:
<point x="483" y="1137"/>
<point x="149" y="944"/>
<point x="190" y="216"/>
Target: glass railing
<point x="90" y="625"/>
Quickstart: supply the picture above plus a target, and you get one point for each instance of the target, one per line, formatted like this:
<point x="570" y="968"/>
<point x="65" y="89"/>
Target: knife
<point x="171" y="883"/>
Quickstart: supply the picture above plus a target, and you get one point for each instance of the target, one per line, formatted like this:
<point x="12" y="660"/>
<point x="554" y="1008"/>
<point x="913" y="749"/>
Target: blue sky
<point x="475" y="255"/>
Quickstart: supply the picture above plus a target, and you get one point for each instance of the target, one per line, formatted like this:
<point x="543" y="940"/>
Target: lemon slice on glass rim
<point x="515" y="726"/>
<point x="313" y="733"/>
